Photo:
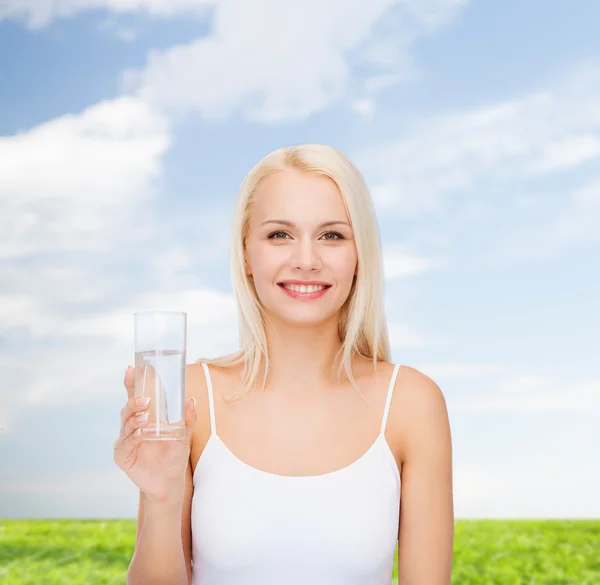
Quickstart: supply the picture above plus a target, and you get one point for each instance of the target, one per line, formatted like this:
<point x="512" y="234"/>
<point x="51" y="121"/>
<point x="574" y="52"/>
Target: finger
<point x="190" y="418"/>
<point x="134" y="405"/>
<point x="125" y="450"/>
<point x="136" y="421"/>
<point x="132" y="408"/>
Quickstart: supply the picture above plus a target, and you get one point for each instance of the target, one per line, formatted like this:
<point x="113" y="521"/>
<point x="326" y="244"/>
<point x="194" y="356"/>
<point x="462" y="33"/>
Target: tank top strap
<point x="388" y="399"/>
<point x="211" y="400"/>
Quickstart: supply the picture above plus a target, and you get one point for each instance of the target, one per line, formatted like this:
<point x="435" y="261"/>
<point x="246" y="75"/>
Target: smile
<point x="303" y="288"/>
<point x="304" y="291"/>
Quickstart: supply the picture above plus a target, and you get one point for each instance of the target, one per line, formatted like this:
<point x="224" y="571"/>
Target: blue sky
<point x="126" y="127"/>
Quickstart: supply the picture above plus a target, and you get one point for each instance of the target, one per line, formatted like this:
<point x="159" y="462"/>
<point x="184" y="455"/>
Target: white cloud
<point x="67" y="346"/>
<point x="477" y="487"/>
<point x="272" y="61"/>
<point x="404" y="336"/>
<point x="80" y="182"/>
<point x="429" y="14"/>
<point x="579" y="220"/>
<point x="127" y="34"/>
<point x="378" y="82"/>
<point x="549" y="228"/>
<point x="522" y="481"/>
<point x="77" y="201"/>
<point x="280" y="62"/>
<point x="110" y="481"/>
<point x="403" y="202"/>
<point x="588" y="197"/>
<point x="535" y="490"/>
<point x="544" y="132"/>
<point x="206" y="308"/>
<point x="567" y="152"/>
<point x="432" y="14"/>
<point x="400" y="263"/>
<point x="532" y="394"/>
<point x="364" y="107"/>
<point x="495" y="388"/>
<point x="461" y="371"/>
<point x="38" y="14"/>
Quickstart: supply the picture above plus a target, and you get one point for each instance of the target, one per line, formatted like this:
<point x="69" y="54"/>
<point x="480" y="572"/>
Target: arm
<point x="162" y="554"/>
<point x="426" y="533"/>
<point x="163" y="547"/>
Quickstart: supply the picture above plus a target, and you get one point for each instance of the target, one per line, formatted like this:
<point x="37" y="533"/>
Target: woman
<point x="298" y="444"/>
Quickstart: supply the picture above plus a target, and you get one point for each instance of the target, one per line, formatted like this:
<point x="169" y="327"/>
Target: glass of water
<point x="160" y="356"/>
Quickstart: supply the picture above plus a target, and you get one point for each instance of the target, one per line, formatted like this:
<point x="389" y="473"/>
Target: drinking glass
<point x="160" y="354"/>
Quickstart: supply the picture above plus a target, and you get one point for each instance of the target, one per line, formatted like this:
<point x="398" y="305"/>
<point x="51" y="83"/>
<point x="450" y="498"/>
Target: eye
<point x="276" y="235"/>
<point x="336" y="236"/>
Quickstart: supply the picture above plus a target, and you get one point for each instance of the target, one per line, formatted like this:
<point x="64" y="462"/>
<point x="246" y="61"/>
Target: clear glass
<point x="160" y="357"/>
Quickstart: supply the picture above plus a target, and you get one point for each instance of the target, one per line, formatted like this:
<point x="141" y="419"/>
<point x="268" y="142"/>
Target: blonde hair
<point x="362" y="326"/>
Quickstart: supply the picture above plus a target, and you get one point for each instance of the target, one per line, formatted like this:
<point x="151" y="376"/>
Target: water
<point x="160" y="374"/>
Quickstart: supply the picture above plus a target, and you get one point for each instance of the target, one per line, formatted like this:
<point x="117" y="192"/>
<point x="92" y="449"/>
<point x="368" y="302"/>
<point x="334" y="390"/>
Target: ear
<point x="247" y="267"/>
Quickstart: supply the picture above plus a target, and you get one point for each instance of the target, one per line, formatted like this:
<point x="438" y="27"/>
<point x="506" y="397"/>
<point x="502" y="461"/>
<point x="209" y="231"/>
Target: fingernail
<point x="142" y="401"/>
<point x="194" y="401"/>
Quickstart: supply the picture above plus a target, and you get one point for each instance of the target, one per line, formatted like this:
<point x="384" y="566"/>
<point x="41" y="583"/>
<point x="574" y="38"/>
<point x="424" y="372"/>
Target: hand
<point x="157" y="468"/>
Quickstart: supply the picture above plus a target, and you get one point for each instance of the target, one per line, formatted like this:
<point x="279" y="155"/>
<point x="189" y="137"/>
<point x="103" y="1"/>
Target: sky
<point x="126" y="128"/>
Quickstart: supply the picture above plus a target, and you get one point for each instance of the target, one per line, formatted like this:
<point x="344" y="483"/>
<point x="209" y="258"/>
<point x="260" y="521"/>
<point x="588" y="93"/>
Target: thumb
<point x="129" y="381"/>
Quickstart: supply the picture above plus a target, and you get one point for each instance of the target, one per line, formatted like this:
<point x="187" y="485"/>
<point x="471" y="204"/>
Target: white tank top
<point x="252" y="527"/>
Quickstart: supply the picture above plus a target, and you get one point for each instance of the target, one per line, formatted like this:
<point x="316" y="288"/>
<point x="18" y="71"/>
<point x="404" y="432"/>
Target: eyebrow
<point x="291" y="224"/>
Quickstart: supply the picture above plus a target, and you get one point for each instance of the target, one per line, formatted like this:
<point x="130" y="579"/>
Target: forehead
<point x="299" y="197"/>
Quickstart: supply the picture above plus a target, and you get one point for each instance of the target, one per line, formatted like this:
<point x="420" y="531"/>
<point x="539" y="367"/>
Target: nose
<point x="306" y="256"/>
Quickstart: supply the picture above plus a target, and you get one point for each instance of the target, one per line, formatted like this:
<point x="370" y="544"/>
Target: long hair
<point x="362" y="326"/>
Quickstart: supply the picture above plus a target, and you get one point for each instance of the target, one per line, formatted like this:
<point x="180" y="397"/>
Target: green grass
<point x="486" y="552"/>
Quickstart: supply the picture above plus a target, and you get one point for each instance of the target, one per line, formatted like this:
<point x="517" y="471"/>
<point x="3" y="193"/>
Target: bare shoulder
<point x="222" y="378"/>
<point x="422" y="392"/>
<point x="418" y="406"/>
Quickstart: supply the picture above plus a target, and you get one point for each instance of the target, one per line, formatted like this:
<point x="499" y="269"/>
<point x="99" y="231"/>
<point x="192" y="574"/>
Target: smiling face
<point x="300" y="248"/>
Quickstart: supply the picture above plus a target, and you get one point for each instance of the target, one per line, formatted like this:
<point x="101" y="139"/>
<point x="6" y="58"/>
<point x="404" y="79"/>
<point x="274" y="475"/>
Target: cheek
<point x="346" y="263"/>
<point x="264" y="261"/>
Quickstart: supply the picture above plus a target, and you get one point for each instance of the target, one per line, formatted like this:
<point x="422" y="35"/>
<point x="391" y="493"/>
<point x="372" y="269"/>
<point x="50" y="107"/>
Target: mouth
<point x="304" y="290"/>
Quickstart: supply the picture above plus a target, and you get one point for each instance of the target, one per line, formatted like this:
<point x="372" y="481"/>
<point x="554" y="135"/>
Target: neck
<point x="302" y="357"/>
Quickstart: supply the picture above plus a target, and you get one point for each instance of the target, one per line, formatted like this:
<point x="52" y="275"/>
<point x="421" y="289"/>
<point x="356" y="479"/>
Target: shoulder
<point x="196" y="383"/>
<point x="412" y="388"/>
<point x="418" y="410"/>
<point x="196" y="386"/>
<point x="220" y="377"/>
<point x="418" y="388"/>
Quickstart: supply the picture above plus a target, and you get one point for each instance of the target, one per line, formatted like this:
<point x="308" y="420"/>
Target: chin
<point x="306" y="323"/>
<point x="302" y="313"/>
<point x="301" y="318"/>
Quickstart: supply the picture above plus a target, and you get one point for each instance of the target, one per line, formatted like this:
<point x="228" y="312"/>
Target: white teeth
<point x="302" y="288"/>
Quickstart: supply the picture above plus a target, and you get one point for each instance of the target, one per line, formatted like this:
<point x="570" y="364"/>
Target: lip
<point x="305" y="282"/>
<point x="308" y="296"/>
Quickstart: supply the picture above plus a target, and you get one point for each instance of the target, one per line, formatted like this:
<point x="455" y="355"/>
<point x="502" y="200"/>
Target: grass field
<point x="486" y="552"/>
